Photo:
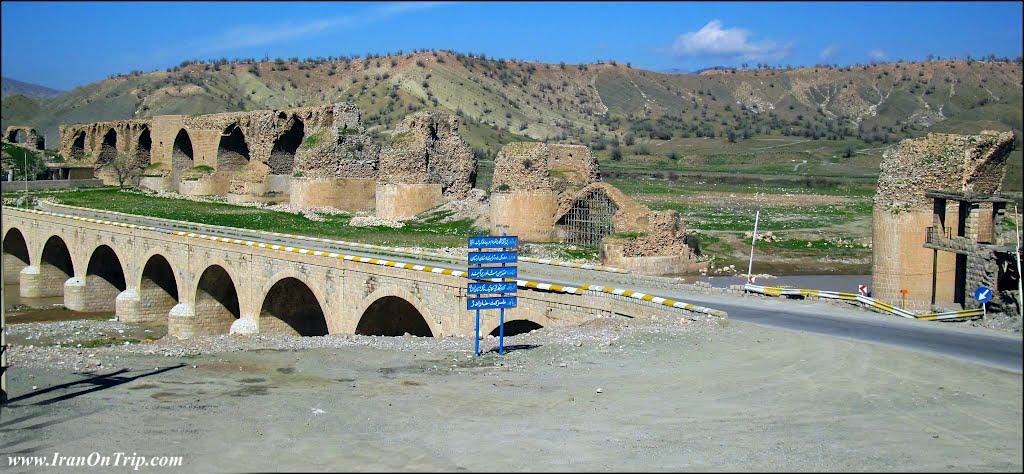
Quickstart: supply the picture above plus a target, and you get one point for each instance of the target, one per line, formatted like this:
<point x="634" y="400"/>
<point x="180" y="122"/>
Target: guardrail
<point x="538" y="285"/>
<point x="404" y="251"/>
<point x="863" y="300"/>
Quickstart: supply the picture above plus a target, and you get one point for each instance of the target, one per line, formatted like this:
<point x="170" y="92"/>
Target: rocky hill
<point x="501" y="99"/>
<point x="14" y="86"/>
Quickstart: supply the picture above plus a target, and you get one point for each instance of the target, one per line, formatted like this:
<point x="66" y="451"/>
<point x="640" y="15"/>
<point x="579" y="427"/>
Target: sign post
<point x="983" y="295"/>
<point x="492" y="280"/>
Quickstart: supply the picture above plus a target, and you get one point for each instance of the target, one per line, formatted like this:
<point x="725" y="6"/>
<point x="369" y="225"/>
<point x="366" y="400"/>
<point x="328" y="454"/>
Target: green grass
<point x="772" y="218"/>
<point x="428" y="232"/>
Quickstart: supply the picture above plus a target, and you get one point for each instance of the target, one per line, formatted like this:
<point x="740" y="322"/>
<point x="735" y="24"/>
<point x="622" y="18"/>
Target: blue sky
<point x="64" y="45"/>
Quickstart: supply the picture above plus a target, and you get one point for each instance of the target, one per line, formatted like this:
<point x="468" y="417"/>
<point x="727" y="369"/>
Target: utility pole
<point x="753" y="238"/>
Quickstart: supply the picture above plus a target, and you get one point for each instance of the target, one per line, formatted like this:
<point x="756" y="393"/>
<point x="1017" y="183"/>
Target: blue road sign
<point x="983" y="294"/>
<point x="486" y="273"/>
<point x="501" y="302"/>
<point x="491" y="287"/>
<point x="493" y="242"/>
<point x="492" y="257"/>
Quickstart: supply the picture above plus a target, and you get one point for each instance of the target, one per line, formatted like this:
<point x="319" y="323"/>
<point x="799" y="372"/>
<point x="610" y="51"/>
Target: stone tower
<point x="902" y="267"/>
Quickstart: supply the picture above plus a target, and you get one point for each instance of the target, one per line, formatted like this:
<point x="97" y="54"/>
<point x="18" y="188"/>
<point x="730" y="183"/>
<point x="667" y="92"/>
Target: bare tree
<point x="124" y="167"/>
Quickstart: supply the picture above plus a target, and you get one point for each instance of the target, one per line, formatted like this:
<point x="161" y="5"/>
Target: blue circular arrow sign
<point x="983" y="294"/>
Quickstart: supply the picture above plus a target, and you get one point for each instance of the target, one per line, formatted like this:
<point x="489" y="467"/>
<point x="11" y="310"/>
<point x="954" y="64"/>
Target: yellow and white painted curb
<point x="864" y="300"/>
<point x="345" y="243"/>
<point x="576" y="290"/>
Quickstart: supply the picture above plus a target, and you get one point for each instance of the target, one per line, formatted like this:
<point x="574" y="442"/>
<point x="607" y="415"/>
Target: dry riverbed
<point x="614" y="394"/>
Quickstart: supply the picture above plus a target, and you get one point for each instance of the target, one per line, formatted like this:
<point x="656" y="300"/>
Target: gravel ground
<point x="614" y="394"/>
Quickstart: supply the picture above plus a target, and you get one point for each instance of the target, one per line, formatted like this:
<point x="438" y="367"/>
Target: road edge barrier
<point x="537" y="285"/>
<point x="345" y="243"/>
<point x="866" y="301"/>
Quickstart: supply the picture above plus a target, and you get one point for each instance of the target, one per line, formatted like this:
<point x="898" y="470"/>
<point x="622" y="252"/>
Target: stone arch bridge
<point x="215" y="286"/>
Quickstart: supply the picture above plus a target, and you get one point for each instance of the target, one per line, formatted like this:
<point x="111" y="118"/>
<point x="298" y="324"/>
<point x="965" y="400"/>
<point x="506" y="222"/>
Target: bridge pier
<point x="12" y="269"/>
<point x="144" y="305"/>
<point x="246" y="325"/>
<point x="181" y="321"/>
<point x="40" y="281"/>
<point x="95" y="298"/>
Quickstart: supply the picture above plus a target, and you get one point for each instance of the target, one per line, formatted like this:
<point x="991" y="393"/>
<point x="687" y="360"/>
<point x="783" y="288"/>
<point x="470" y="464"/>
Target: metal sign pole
<point x="753" y="238"/>
<point x="476" y="335"/>
<point x="1020" y="274"/>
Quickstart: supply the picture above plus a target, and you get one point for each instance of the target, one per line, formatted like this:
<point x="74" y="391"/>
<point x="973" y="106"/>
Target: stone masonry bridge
<point x="208" y="286"/>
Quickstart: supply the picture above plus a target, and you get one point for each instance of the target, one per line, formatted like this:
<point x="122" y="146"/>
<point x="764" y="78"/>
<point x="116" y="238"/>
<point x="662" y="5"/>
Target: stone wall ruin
<point x="25" y="136"/>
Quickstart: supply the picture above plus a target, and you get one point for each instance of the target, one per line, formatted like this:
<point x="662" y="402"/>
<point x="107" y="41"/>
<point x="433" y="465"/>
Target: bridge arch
<point x="232" y="151"/>
<point x="216" y="301"/>
<point x="181" y="153"/>
<point x="55" y="266"/>
<point x="158" y="289"/>
<point x="108" y="147"/>
<point x="104" y="279"/>
<point x="292" y="307"/>
<point x="15" y="255"/>
<point x="393" y="311"/>
<point x="282" y="155"/>
<point x="78" y="146"/>
<point x="516" y="327"/>
<point x="144" y="147"/>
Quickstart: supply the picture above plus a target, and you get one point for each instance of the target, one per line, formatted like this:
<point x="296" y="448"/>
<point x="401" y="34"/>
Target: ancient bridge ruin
<point x="204" y="286"/>
<point x="308" y="156"/>
<point x="25" y="136"/>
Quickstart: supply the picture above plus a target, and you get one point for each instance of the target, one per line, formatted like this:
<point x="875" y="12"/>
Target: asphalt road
<point x="977" y="345"/>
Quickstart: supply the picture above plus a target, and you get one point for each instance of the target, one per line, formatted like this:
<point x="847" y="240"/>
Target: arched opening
<point x="104" y="280"/>
<point x="517" y="327"/>
<point x="108" y="148"/>
<point x="158" y="290"/>
<point x="55" y="267"/>
<point x="144" y="148"/>
<point x="232" y="152"/>
<point x="290" y="307"/>
<point x="181" y="153"/>
<point x="590" y="219"/>
<point x="392" y="316"/>
<point x="40" y="141"/>
<point x="282" y="157"/>
<point x="18" y="136"/>
<point x="78" y="146"/>
<point x="15" y="255"/>
<point x="216" y="301"/>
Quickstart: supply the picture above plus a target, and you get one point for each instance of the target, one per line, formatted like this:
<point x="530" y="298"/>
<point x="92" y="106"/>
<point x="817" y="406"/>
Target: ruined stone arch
<point x="144" y="147"/>
<point x="282" y="155"/>
<point x="19" y="136"/>
<point x="217" y="304"/>
<point x="181" y="153"/>
<point x="232" y="150"/>
<point x="515" y="327"/>
<point x="78" y="146"/>
<point x="392" y="311"/>
<point x="15" y="254"/>
<point x="108" y="147"/>
<point x="290" y="306"/>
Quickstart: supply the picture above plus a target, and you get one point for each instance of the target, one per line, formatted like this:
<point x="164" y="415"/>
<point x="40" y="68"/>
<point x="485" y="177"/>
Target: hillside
<point x="14" y="86"/>
<point x="605" y="105"/>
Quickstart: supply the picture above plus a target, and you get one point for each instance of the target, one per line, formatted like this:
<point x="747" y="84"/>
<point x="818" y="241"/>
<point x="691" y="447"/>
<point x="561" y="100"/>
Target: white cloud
<point x="876" y="55"/>
<point x="256" y="35"/>
<point x="829" y="52"/>
<point x="733" y="43"/>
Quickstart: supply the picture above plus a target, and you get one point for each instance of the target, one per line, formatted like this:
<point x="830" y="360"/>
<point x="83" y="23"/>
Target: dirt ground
<point x="613" y="395"/>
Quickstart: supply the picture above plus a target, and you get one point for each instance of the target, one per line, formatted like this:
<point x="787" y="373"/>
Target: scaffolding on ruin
<point x="589" y="219"/>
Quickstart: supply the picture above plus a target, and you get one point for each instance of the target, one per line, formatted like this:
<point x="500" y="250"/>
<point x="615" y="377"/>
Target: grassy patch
<point x="772" y="218"/>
